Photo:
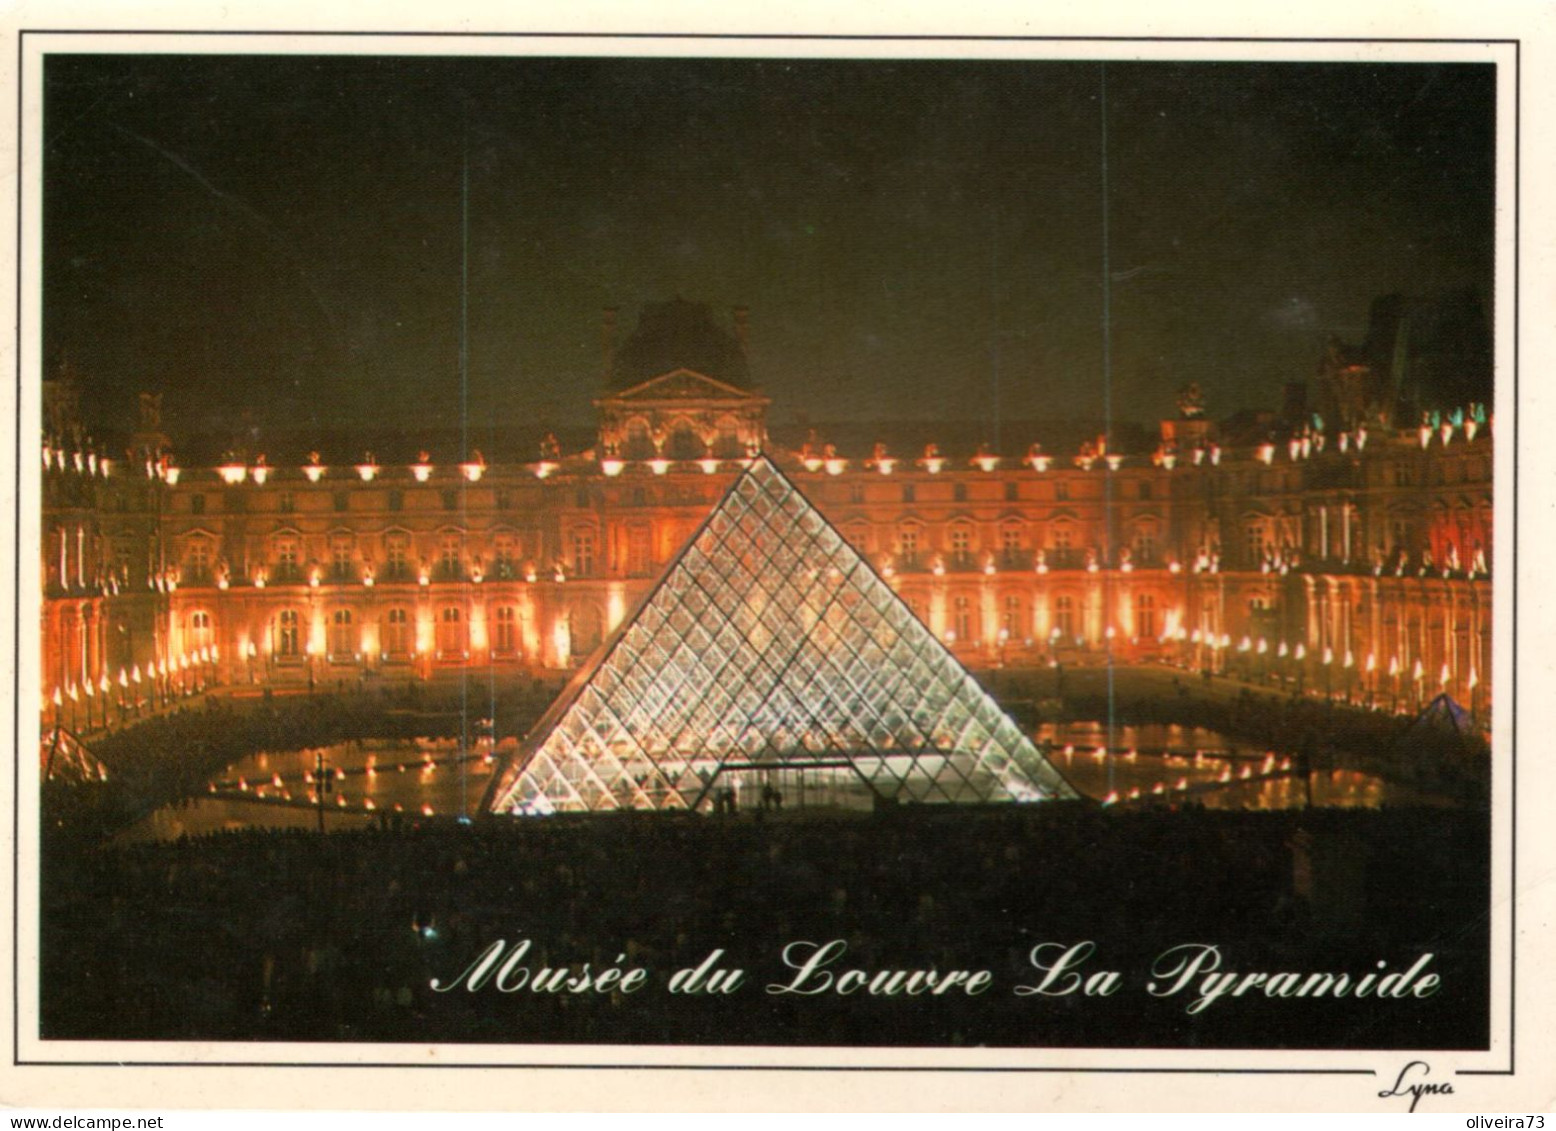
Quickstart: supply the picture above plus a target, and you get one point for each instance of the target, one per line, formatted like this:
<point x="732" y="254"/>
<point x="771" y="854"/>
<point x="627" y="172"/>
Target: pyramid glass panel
<point x="769" y="652"/>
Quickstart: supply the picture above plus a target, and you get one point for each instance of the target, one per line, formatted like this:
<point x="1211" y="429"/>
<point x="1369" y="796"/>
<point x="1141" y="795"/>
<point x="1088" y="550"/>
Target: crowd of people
<point x="287" y="935"/>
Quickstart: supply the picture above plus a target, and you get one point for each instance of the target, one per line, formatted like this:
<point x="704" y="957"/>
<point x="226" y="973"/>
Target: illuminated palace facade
<point x="1346" y="556"/>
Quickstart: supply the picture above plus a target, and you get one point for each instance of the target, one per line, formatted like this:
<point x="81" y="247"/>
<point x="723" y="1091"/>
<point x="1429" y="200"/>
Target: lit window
<point x="341" y="641"/>
<point x="288" y="636"/>
<point x="1145" y="616"/>
<point x="201" y="634"/>
<point x="451" y="631"/>
<point x="962" y="619"/>
<point x="507" y="634"/>
<point x="397" y="632"/>
<point x="1064" y="616"/>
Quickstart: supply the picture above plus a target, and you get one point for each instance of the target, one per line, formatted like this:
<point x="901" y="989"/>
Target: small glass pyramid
<point x="771" y="657"/>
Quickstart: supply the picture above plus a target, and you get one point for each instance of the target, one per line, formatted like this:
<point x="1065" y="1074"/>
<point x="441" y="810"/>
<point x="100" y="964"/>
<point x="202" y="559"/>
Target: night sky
<point x="278" y="239"/>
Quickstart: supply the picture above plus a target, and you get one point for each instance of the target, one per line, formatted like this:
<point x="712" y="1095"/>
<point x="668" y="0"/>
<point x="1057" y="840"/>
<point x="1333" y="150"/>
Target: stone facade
<point x="1337" y="562"/>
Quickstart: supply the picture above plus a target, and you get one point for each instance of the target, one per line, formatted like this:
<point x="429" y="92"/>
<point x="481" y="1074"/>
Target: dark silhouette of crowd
<point x="287" y="935"/>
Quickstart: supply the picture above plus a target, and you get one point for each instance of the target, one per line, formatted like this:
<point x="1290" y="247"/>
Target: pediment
<point x="681" y="385"/>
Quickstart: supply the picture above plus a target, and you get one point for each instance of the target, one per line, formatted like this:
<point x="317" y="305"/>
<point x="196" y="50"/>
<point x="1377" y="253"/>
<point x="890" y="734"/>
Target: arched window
<point x="451" y="632"/>
<point x="288" y="643"/>
<point x="684" y="442"/>
<point x="727" y="445"/>
<point x="637" y="441"/>
<point x="342" y="643"/>
<point x="397" y="632"/>
<point x="202" y="634"/>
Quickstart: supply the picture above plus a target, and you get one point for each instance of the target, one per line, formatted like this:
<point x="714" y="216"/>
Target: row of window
<point x="451" y="498"/>
<point x="286" y="564"/>
<point x="397" y="636"/>
<point x="237" y="502"/>
<point x="1013" y="536"/>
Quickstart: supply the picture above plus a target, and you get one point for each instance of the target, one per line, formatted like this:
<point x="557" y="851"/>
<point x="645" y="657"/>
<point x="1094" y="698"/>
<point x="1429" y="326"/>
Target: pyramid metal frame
<point x="767" y="644"/>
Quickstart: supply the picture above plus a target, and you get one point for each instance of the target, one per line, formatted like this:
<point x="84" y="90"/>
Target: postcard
<point x="743" y="556"/>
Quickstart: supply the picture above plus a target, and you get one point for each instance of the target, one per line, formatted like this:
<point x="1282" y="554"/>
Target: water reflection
<point x="373" y="782"/>
<point x="1173" y="763"/>
<point x="367" y="783"/>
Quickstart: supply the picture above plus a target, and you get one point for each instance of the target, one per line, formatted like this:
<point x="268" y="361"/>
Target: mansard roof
<point x="674" y="335"/>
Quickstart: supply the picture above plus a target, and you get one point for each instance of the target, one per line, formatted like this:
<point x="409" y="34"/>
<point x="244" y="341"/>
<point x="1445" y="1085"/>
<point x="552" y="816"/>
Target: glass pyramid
<point x="770" y="656"/>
